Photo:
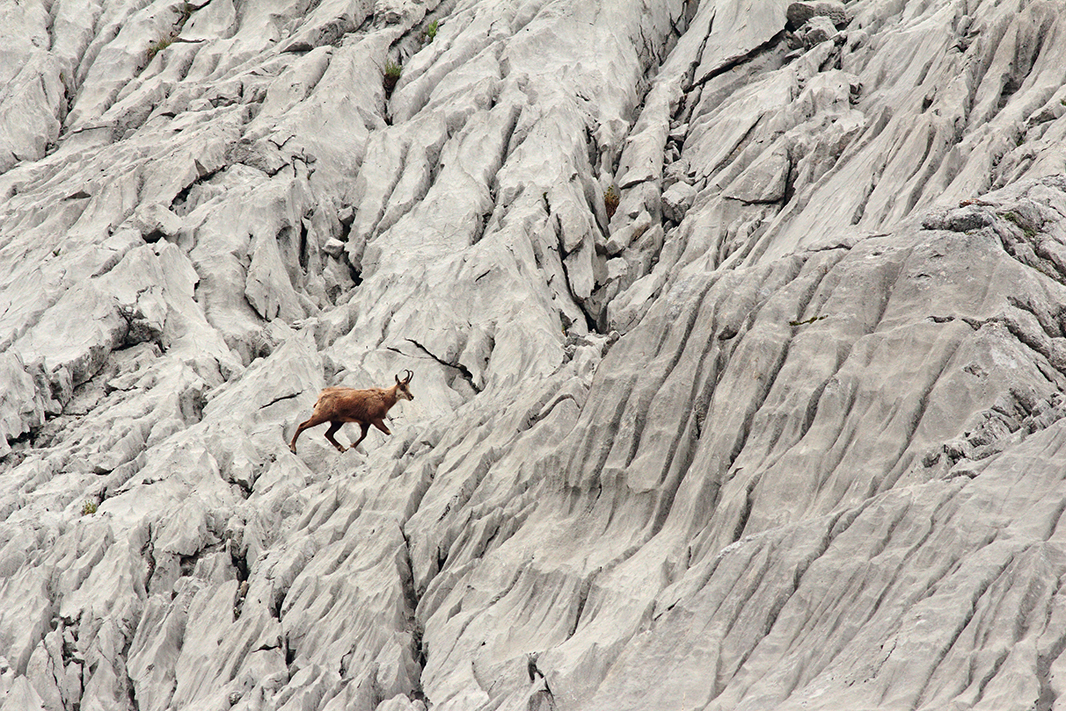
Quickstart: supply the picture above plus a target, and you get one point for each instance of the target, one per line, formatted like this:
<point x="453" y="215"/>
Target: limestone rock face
<point x="784" y="430"/>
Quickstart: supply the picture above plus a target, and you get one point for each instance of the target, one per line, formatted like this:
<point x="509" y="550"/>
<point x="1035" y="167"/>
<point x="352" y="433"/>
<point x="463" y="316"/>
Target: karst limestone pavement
<point x="785" y="430"/>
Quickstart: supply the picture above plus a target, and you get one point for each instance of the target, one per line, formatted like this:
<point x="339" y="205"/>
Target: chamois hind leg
<point x="362" y="435"/>
<point x="380" y="424"/>
<point x="333" y="427"/>
<point x="315" y="420"/>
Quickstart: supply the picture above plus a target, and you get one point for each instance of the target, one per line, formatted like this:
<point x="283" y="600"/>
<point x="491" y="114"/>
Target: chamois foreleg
<point x="333" y="427"/>
<point x="380" y="424"/>
<point x="362" y="435"/>
<point x="315" y="420"/>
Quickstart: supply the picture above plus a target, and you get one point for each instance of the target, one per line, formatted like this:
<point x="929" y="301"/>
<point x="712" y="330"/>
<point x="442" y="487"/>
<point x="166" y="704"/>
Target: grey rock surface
<point x="785" y="431"/>
<point x="800" y="13"/>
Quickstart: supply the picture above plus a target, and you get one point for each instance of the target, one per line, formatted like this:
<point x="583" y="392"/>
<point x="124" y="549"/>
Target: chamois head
<point x="403" y="389"/>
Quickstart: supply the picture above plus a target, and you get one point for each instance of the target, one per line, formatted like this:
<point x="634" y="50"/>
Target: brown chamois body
<point x="364" y="407"/>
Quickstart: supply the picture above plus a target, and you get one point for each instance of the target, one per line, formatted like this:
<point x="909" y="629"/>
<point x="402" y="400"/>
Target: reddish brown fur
<point x="363" y="407"/>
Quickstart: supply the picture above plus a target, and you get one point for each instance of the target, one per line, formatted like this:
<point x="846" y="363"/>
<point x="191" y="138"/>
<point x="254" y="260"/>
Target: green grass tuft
<point x="157" y="47"/>
<point x="392" y="75"/>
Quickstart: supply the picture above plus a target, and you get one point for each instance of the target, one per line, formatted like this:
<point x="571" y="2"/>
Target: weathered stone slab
<point x="784" y="431"/>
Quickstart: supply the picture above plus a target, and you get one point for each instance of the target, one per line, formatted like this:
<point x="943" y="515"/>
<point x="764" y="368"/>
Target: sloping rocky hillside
<point x="783" y="427"/>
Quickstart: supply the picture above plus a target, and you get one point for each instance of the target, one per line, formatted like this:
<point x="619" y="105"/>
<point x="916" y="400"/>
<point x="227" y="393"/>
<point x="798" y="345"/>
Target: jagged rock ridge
<point x="782" y="430"/>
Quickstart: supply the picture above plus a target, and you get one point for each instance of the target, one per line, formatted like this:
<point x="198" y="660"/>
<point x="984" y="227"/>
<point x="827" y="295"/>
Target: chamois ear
<point x="397" y="376"/>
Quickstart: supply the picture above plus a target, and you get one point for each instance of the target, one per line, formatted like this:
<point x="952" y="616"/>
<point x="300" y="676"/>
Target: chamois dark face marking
<point x="403" y="389"/>
<point x="363" y="407"/>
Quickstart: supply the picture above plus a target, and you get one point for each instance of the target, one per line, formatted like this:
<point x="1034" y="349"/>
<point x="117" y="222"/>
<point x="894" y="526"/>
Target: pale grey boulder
<point x="801" y="13"/>
<point x="764" y="181"/>
<point x="677" y="199"/>
<point x="818" y="29"/>
<point x="157" y="221"/>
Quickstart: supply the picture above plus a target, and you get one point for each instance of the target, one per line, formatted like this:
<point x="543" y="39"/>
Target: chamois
<point x="364" y="407"/>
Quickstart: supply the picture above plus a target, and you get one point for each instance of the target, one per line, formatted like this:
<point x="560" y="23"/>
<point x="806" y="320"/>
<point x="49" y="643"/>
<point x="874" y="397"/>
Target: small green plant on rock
<point x="610" y="201"/>
<point x="392" y="75"/>
<point x="807" y="321"/>
<point x="1021" y="224"/>
<point x="184" y="13"/>
<point x="430" y="31"/>
<point x="88" y="508"/>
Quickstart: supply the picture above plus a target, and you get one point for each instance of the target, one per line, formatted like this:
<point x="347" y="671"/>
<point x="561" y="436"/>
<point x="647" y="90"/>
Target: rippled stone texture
<point x="783" y="430"/>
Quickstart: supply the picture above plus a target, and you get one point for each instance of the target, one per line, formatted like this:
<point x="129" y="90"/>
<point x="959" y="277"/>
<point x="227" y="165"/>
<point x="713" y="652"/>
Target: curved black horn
<point x="409" y="376"/>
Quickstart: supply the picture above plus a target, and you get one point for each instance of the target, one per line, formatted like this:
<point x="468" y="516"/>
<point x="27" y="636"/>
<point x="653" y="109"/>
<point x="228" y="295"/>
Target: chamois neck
<point x="391" y="395"/>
